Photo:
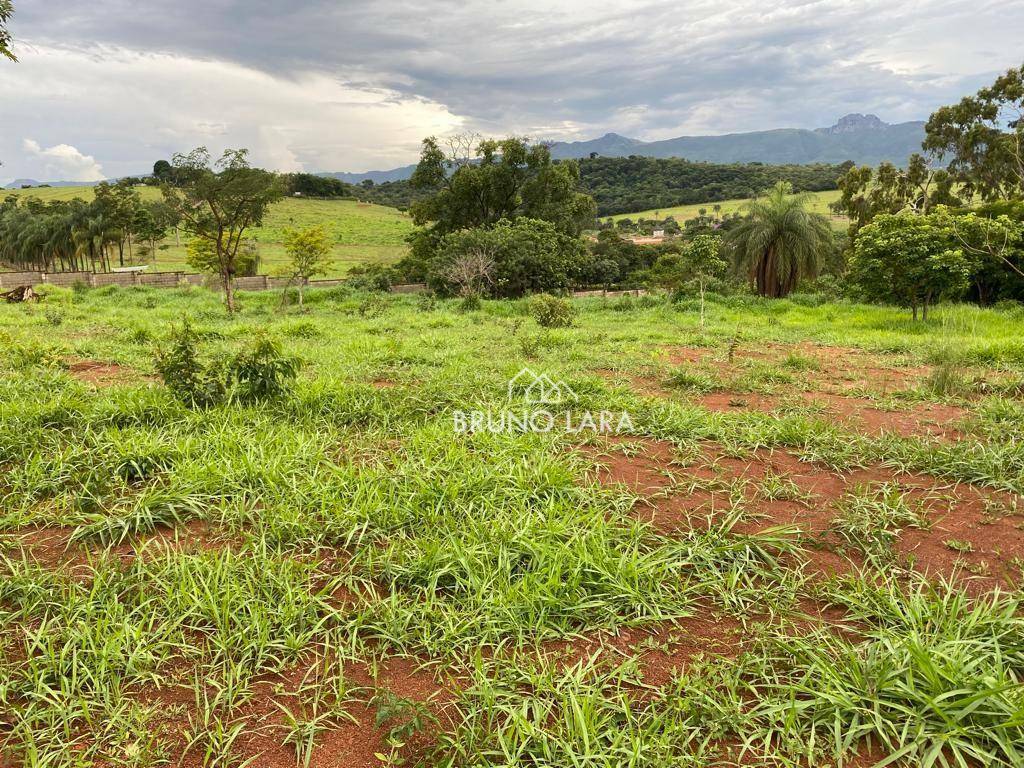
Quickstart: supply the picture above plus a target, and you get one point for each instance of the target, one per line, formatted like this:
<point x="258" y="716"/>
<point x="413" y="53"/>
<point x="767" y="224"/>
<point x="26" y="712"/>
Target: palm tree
<point x="779" y="241"/>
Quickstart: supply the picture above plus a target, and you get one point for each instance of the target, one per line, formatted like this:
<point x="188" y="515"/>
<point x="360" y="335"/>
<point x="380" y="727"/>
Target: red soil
<point x="675" y="497"/>
<point x="100" y="374"/>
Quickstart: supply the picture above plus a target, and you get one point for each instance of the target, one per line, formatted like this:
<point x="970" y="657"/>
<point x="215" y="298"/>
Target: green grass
<point x="363" y="233"/>
<point x="819" y="204"/>
<point x="344" y="525"/>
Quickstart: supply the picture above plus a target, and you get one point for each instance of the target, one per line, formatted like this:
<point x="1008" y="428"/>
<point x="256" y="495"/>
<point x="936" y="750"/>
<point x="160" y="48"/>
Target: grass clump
<point x="552" y="311"/>
<point x="870" y="519"/>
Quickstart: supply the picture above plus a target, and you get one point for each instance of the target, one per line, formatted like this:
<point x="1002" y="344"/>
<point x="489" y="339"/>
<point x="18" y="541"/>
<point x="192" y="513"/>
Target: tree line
<point x="925" y="232"/>
<point x="628" y="184"/>
<point x="75" y="235"/>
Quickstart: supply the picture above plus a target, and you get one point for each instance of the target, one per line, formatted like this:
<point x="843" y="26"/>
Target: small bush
<point x="553" y="312"/>
<point x="260" y="373"/>
<point x="374" y="306"/>
<point x="183" y="372"/>
<point x="304" y="329"/>
<point x="426" y="302"/>
<point x="470" y="303"/>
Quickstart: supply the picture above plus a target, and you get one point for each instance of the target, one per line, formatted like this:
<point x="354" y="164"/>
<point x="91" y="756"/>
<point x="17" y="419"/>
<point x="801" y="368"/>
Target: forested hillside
<point x="628" y="184"/>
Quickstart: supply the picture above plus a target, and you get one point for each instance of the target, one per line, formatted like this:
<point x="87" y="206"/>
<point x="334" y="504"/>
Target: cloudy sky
<point x="106" y="87"/>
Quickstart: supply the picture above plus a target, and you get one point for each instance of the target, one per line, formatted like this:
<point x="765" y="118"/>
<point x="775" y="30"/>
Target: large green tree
<point x="983" y="138"/>
<point x="510" y="259"/>
<point x="912" y="260"/>
<point x="779" y="241"/>
<point x="477" y="183"/>
<point x="865" y="192"/>
<point x="121" y="206"/>
<point x="217" y="202"/>
<point x="6" y="11"/>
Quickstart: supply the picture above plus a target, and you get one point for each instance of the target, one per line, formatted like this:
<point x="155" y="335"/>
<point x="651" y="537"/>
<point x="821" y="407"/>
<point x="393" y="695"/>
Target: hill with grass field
<point x="818" y="202"/>
<point x="363" y="233"/>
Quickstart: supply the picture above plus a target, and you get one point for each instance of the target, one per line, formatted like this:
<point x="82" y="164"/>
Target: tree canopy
<point x="779" y="241"/>
<point x="218" y="201"/>
<point x="6" y="12"/>
<point x="503" y="180"/>
<point x="983" y="138"/>
<point x="910" y="260"/>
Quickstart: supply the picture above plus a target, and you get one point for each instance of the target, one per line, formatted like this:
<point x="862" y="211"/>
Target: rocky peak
<point x="855" y="122"/>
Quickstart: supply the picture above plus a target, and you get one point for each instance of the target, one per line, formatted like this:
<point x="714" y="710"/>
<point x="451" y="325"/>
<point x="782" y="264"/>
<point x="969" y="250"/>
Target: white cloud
<point x="63" y="162"/>
<point x="132" y="109"/>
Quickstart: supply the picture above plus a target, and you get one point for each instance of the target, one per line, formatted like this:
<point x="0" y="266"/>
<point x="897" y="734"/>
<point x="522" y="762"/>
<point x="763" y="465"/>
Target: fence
<point x="9" y="280"/>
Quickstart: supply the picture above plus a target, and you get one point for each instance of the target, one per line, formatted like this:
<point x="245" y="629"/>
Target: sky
<point x="106" y="87"/>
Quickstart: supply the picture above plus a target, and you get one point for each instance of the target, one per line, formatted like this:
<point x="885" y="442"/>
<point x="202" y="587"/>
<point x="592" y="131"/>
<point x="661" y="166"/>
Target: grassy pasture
<point x="791" y="559"/>
<point x="363" y="233"/>
<point x="819" y="202"/>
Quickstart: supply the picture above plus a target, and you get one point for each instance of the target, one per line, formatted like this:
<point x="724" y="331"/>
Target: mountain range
<point x="864" y="139"/>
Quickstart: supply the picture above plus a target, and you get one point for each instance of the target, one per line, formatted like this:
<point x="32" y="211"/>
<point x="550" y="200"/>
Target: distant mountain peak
<point x="855" y="123"/>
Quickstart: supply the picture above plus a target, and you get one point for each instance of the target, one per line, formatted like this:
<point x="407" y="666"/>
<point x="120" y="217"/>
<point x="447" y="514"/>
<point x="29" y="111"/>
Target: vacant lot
<point x="363" y="233"/>
<point x="807" y="551"/>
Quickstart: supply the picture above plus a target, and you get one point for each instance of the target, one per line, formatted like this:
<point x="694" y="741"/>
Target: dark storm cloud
<point x="651" y="69"/>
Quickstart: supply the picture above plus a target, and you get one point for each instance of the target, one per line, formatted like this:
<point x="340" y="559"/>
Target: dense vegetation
<point x="623" y="184"/>
<point x="915" y="235"/>
<point x="628" y="184"/>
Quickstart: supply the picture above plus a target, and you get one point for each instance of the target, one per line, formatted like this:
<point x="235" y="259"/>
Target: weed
<point x="552" y="312"/>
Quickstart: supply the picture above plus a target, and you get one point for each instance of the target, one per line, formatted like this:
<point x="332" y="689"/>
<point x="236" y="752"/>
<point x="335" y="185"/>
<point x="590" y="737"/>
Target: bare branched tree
<point x="472" y="271"/>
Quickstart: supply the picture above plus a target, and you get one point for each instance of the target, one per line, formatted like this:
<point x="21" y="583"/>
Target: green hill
<point x="819" y="204"/>
<point x="363" y="233"/>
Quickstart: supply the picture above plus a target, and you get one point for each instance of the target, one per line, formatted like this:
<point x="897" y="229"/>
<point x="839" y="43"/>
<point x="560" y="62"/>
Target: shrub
<point x="553" y="312"/>
<point x="374" y="306"/>
<point x="471" y="303"/>
<point x="261" y="372"/>
<point x="184" y="373"/>
<point x="523" y="257"/>
<point x="373" y="277"/>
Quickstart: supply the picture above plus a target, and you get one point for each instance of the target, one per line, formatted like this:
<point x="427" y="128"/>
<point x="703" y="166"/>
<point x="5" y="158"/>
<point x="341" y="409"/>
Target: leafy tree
<point x="699" y="261"/>
<point x="309" y="252"/>
<point x="910" y="260"/>
<point x="162" y="171"/>
<point x="995" y="242"/>
<point x="983" y="136"/>
<point x="529" y="256"/>
<point x="478" y="184"/>
<point x="779" y="241"/>
<point x="120" y="205"/>
<point x="867" y="192"/>
<point x="201" y="255"/>
<point x="6" y="11"/>
<point x="217" y="203"/>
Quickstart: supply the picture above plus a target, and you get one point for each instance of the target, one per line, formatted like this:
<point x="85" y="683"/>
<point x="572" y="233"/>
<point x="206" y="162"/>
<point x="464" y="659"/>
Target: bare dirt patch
<point x="101" y="374"/>
<point x="350" y="740"/>
<point x="52" y="547"/>
<point x="974" y="532"/>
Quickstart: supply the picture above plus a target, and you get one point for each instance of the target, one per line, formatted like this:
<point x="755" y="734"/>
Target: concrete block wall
<point x="9" y="280"/>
